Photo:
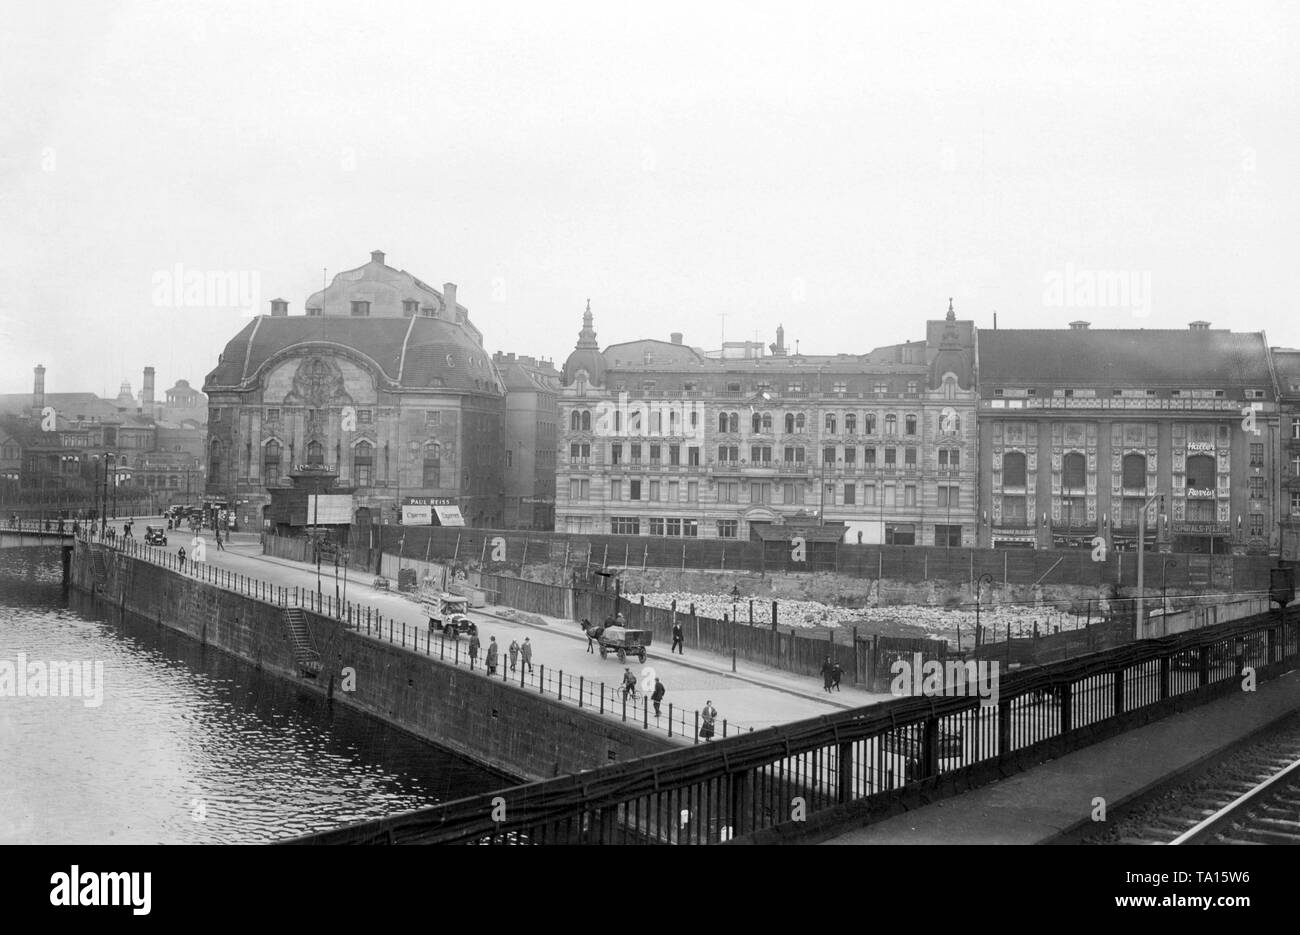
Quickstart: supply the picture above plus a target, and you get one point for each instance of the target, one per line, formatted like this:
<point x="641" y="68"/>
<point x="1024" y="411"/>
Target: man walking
<point x="514" y="654"/>
<point x="657" y="695"/>
<point x="828" y="674"/>
<point x="220" y="547"/>
<point x="526" y="651"/>
<point x="677" y="639"/>
<point x="180" y="555"/>
<point x="492" y="656"/>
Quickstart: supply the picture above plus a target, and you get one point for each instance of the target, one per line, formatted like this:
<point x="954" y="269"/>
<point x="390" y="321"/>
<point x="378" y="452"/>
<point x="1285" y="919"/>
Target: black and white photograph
<point x="681" y="424"/>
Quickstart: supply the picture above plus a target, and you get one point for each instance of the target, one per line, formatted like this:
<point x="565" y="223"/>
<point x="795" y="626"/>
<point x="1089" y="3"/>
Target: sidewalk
<point x="754" y="696"/>
<point x="1036" y="806"/>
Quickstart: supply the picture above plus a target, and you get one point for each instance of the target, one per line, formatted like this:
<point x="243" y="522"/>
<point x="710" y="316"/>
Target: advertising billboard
<point x="417" y="516"/>
<point x="329" y="509"/>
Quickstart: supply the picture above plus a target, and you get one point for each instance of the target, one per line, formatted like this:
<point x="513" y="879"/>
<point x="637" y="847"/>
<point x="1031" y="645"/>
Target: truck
<point x="450" y="614"/>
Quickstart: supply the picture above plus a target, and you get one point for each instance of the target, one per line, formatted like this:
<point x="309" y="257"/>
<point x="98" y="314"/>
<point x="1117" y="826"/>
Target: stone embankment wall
<point x="514" y="730"/>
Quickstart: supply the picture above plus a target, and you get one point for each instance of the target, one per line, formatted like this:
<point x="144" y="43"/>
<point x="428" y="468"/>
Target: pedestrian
<point x="180" y="554"/>
<point x="707" y="717"/>
<point x="220" y="547"/>
<point x="828" y="672"/>
<point x="492" y="656"/>
<point x="76" y="527"/>
<point x="586" y="628"/>
<point x="677" y="639"/>
<point x="526" y="654"/>
<point x="126" y="530"/>
<point x="657" y="695"/>
<point x="514" y="654"/>
<point x="836" y="674"/>
<point x="473" y="649"/>
<point x="629" y="684"/>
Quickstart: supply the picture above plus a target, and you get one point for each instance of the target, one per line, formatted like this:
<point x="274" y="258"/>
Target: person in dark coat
<point x="492" y="656"/>
<point x="473" y="649"/>
<point x="657" y="695"/>
<point x="836" y="673"/>
<point x="526" y="654"/>
<point x="707" y="717"/>
<point x="828" y="673"/>
<point x="180" y="555"/>
<point x="514" y="654"/>
<point x="677" y="640"/>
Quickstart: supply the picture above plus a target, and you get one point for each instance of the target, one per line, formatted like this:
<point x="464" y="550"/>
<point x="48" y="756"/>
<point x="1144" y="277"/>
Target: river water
<point x="183" y="744"/>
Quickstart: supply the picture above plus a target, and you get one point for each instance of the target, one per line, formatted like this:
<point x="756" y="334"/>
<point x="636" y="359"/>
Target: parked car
<point x="155" y="535"/>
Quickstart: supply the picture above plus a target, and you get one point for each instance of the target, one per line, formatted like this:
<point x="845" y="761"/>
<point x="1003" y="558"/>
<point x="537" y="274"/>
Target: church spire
<point x="952" y="316"/>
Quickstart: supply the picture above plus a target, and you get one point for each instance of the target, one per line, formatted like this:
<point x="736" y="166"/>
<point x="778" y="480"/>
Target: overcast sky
<point x="837" y="169"/>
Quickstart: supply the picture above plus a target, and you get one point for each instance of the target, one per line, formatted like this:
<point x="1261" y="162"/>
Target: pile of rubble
<point x="792" y="613"/>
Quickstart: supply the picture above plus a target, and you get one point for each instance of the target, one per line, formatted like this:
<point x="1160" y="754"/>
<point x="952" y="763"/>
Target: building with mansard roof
<point x="1080" y="428"/>
<point x="664" y="439"/>
<point x="383" y="381"/>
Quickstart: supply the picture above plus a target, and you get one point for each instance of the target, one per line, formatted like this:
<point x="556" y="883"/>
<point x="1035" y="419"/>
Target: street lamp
<point x="735" y="599"/>
<point x="978" y="585"/>
<point x="1164" y="583"/>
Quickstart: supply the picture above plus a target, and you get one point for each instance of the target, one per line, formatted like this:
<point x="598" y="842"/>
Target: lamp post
<point x="735" y="599"/>
<point x="1164" y="583"/>
<point x="978" y="586"/>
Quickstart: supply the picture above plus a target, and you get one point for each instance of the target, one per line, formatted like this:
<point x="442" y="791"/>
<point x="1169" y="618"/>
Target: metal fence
<point x="807" y="778"/>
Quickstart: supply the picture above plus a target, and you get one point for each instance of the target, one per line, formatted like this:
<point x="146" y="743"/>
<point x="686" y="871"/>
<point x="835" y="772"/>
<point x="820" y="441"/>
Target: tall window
<point x="1135" y="471"/>
<point x="851" y="423"/>
<point x="869" y="424"/>
<point x="315" y="454"/>
<point x="830" y="423"/>
<point x="891" y="425"/>
<point x="214" y="463"/>
<point x="909" y="425"/>
<point x="363" y="462"/>
<point x="271" y="462"/>
<point x="1073" y="470"/>
<point x="1200" y="472"/>
<point x="1013" y="469"/>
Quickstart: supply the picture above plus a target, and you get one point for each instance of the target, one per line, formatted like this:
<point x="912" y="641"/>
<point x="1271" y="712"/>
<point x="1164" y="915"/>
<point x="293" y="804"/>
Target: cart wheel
<point x="641" y="656"/>
<point x="622" y="656"/>
<point x="603" y="652"/>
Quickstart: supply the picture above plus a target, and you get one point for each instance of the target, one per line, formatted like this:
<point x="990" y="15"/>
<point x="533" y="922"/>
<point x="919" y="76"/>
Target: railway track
<point x="1250" y="796"/>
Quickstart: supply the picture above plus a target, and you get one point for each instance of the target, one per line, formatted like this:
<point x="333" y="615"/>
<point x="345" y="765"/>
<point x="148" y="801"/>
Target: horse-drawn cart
<point x="624" y="642"/>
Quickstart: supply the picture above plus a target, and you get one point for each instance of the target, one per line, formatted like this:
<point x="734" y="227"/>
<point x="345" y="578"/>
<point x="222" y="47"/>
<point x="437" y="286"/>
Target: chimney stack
<point x="677" y="337"/>
<point x="377" y="256"/>
<point x="146" y="393"/>
<point x="449" y="297"/>
<point x="1079" y="325"/>
<point x="279" y="308"/>
<point x="38" y="391"/>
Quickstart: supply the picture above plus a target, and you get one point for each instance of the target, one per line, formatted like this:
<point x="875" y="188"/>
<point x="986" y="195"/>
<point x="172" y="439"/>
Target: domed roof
<point x="586" y="355"/>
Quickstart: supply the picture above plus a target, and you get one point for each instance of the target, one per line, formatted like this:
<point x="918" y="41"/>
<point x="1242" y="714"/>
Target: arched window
<point x="733" y="421"/>
<point x="271" y="455"/>
<point x="767" y="423"/>
<point x="789" y="423"/>
<point x="869" y="424"/>
<point x="1135" y="471"/>
<point x="830" y="423"/>
<point x="722" y="422"/>
<point x="586" y="420"/>
<point x="850" y="424"/>
<point x="432" y="465"/>
<point x="1074" y="469"/>
<point x="363" y="464"/>
<point x="1013" y="469"/>
<point x="315" y="454"/>
<point x="756" y="423"/>
<point x="891" y="425"/>
<point x="909" y="425"/>
<point x="575" y="421"/>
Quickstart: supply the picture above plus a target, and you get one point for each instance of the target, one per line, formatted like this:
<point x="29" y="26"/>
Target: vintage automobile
<point x="155" y="535"/>
<point x="450" y="614"/>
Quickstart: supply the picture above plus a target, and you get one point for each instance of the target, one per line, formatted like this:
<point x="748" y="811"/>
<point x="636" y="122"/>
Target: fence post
<point x="581" y="688"/>
<point x="625" y="704"/>
<point x="559" y="687"/>
<point x="697" y="726"/>
<point x="645" y="711"/>
<point x="541" y="681"/>
<point x="670" y="719"/>
<point x="774" y="616"/>
<point x="602" y="697"/>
